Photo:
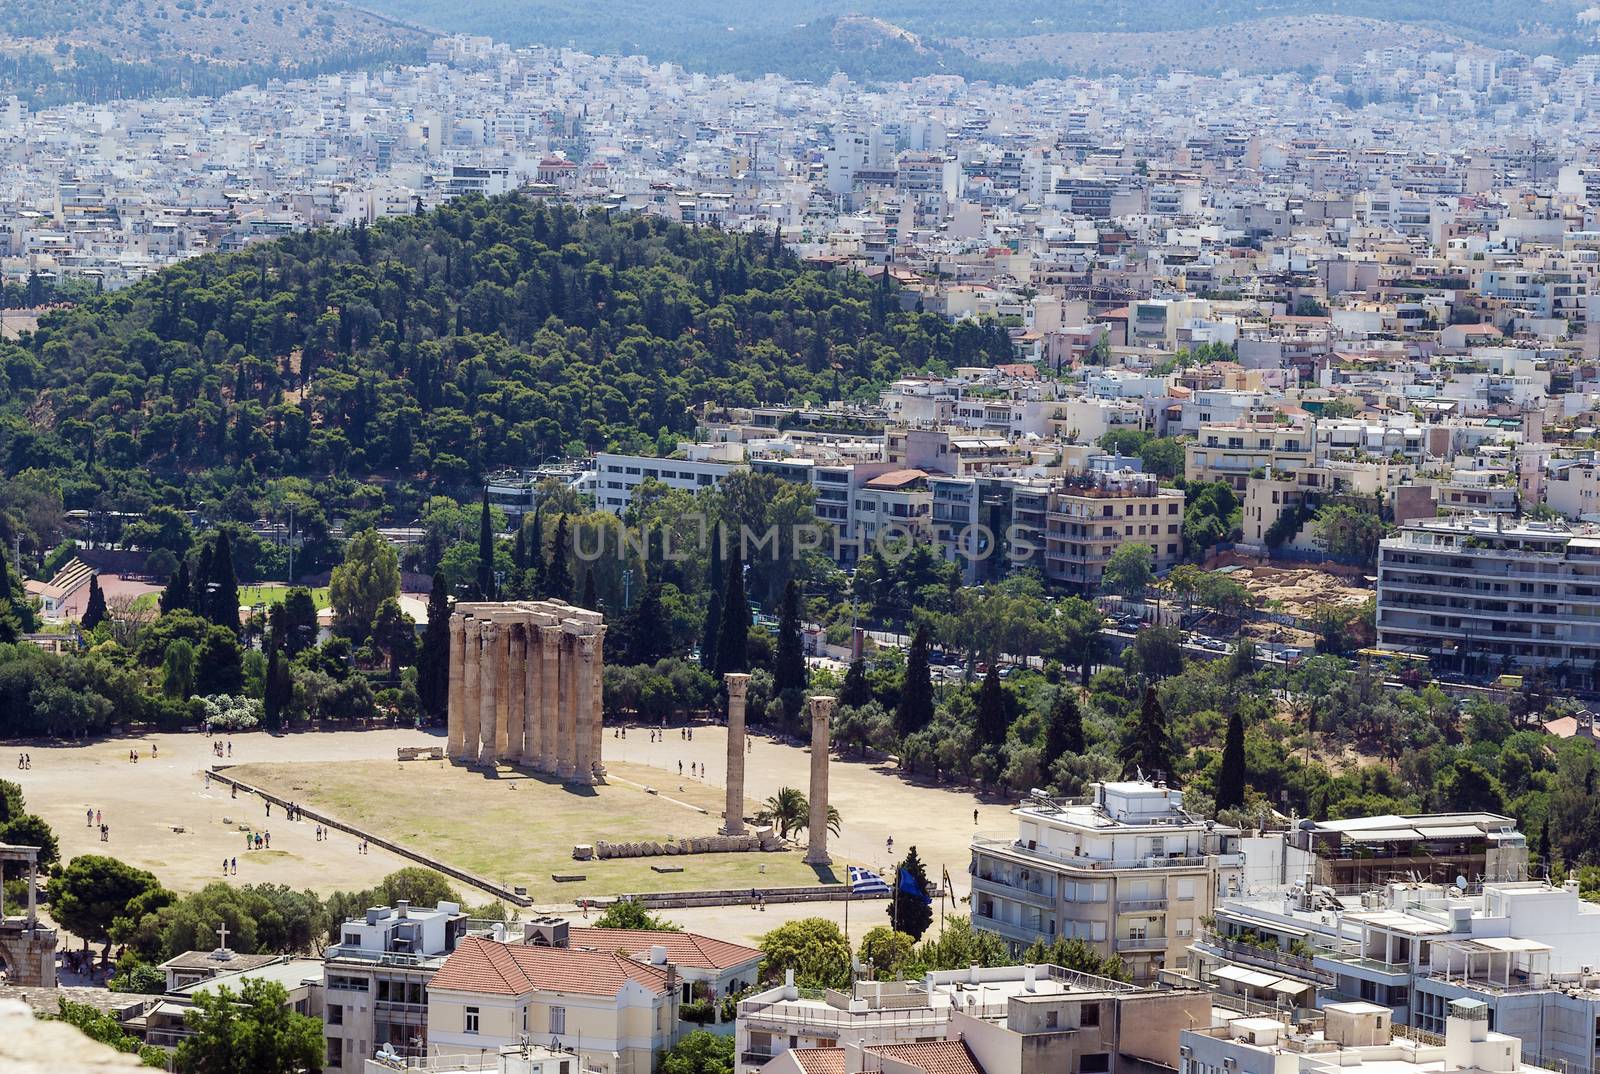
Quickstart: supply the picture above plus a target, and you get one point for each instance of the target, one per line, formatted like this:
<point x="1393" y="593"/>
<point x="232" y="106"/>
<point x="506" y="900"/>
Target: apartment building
<point x="1006" y="1020"/>
<point x="1127" y="870"/>
<point x="1090" y="515"/>
<point x="1363" y="852"/>
<point x="377" y="980"/>
<point x="616" y="477"/>
<point x="1482" y="595"/>
<point x="1232" y="453"/>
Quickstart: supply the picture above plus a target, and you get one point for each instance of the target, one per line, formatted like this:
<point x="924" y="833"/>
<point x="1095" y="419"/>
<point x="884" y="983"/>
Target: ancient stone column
<point x="597" y="722"/>
<point x="567" y="709"/>
<point x="583" y="711"/>
<point x="489" y="691"/>
<point x="471" y="690"/>
<point x="532" y="738"/>
<point x="817" y="827"/>
<point x="458" y="655"/>
<point x="506" y="678"/>
<point x="549" y="697"/>
<point x="733" y="811"/>
<point x="517" y="659"/>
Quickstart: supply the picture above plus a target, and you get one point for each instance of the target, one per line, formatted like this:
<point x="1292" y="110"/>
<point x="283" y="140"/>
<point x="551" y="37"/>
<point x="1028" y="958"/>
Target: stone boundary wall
<point x="218" y="772"/>
<point x="698" y="844"/>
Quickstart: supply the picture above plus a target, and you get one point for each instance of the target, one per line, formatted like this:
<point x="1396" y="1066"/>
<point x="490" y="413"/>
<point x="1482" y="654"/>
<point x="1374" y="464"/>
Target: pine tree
<point x="433" y="662"/>
<point x="94" y="613"/>
<point x="789" y="666"/>
<point x="224" y="590"/>
<point x="558" y="582"/>
<point x="12" y="623"/>
<point x="854" y="691"/>
<point x="646" y="633"/>
<point x="909" y="913"/>
<point x="1063" y="733"/>
<point x="591" y="598"/>
<point x="1232" y="774"/>
<point x="486" y="586"/>
<point x="176" y="596"/>
<point x="278" y="694"/>
<point x="992" y="721"/>
<point x="1147" y="745"/>
<point x="1544" y="846"/>
<point x="733" y="635"/>
<point x="916" y="691"/>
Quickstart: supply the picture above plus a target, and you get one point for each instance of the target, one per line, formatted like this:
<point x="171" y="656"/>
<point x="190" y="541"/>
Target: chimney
<point x="402" y="907"/>
<point x="790" y="992"/>
<point x="1030" y="976"/>
<point x="972" y="973"/>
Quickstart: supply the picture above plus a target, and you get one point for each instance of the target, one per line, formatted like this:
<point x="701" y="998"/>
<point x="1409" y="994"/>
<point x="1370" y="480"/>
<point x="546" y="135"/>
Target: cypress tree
<point x="1147" y="745"/>
<point x="908" y="912"/>
<point x="433" y="662"/>
<point x="708" y="631"/>
<point x="558" y="582"/>
<point x="279" y="690"/>
<point x="176" y="595"/>
<point x="854" y="691"/>
<point x="992" y="723"/>
<point x="1231" y="775"/>
<point x="224" y="598"/>
<point x="916" y="691"/>
<point x="733" y="636"/>
<point x="94" y="613"/>
<point x="1063" y="734"/>
<point x="591" y="598"/>
<point x="200" y="584"/>
<point x="536" y="572"/>
<point x="789" y="667"/>
<point x="646" y="633"/>
<point x="486" y="586"/>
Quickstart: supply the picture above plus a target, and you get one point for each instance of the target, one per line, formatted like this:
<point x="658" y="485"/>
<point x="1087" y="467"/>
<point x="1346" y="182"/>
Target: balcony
<point x="995" y="885"/>
<point x="1133" y="906"/>
<point x="1141" y="943"/>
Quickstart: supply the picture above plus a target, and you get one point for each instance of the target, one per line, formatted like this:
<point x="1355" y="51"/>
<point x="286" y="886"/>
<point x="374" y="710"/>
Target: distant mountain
<point x="98" y="50"/>
<point x="905" y="38"/>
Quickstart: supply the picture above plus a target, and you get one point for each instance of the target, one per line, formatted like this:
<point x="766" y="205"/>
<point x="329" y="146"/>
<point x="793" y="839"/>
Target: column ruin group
<point x="525" y="687"/>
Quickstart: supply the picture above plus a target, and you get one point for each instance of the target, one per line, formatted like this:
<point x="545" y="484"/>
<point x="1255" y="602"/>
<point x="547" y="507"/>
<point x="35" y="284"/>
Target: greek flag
<point x="866" y="882"/>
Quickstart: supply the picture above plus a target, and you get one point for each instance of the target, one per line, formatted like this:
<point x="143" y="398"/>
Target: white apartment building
<point x="1127" y="870"/>
<point x="1483" y="595"/>
<point x="617" y="476"/>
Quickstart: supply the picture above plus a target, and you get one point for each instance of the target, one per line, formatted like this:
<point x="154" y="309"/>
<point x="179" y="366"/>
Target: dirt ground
<point x="163" y="818"/>
<point x="1296" y="591"/>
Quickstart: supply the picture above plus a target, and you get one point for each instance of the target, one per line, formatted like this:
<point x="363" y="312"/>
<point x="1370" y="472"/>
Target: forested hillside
<point x="374" y="367"/>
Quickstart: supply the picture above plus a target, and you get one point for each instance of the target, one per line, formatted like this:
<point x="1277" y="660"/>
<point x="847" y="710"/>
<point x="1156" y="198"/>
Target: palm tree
<point x="789" y="812"/>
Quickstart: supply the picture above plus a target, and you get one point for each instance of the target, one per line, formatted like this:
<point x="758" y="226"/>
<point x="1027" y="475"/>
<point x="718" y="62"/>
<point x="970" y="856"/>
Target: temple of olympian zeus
<point x="525" y="687"/>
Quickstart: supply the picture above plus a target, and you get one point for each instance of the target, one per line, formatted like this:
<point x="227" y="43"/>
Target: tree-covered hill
<point x="424" y="351"/>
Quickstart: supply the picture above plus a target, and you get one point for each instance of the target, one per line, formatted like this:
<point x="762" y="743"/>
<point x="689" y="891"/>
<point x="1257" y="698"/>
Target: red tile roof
<point x="683" y="948"/>
<point x="819" y="1060"/>
<point x="933" y="1056"/>
<point x="480" y="965"/>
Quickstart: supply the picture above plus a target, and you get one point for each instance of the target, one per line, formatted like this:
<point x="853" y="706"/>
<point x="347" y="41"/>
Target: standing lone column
<point x="458" y="656"/>
<point x="738" y="685"/>
<point x="817" y="827"/>
<point x="597" y="707"/>
<point x="583" y="711"/>
<point x="489" y="689"/>
<point x="549" y="696"/>
<point x="471" y="690"/>
<point x="567" y="709"/>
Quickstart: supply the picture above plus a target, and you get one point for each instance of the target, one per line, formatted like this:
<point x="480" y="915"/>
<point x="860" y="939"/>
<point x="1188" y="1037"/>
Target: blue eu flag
<point x="908" y="884"/>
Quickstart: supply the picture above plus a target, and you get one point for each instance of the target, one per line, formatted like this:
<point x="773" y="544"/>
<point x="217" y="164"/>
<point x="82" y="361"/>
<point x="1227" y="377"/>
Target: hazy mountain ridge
<point x="1012" y="40"/>
<point x="105" y="49"/>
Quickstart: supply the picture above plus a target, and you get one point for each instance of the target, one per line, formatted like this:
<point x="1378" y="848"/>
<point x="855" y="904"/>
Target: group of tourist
<point x="92" y="817"/>
<point x="24" y="760"/>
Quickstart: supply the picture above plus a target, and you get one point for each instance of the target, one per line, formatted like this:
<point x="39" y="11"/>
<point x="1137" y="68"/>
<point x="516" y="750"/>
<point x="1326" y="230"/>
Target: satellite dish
<point x="1461" y="882"/>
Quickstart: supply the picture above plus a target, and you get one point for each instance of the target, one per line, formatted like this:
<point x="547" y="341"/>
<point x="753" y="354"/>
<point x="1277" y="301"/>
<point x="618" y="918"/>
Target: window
<point x="558" y="1019"/>
<point x="335" y="1015"/>
<point x="1095" y="1063"/>
<point x="524" y="1018"/>
<point x="471" y="1022"/>
<point x="335" y="1053"/>
<point x="1089" y="1014"/>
